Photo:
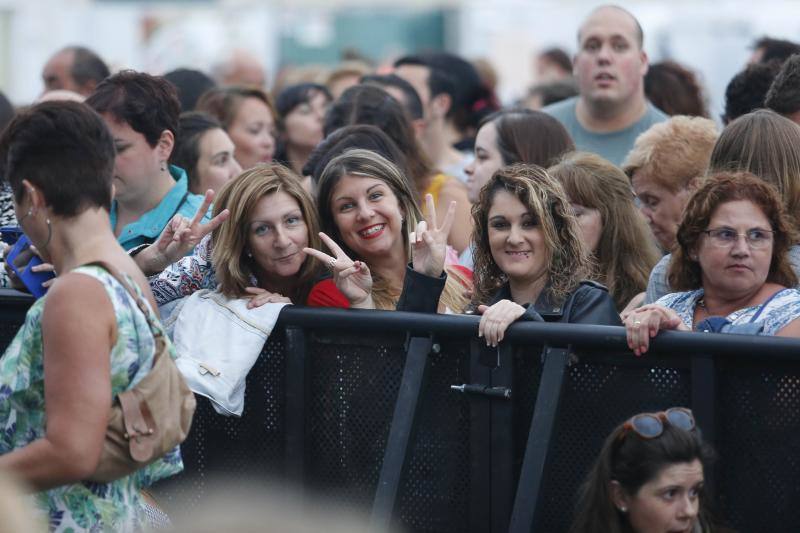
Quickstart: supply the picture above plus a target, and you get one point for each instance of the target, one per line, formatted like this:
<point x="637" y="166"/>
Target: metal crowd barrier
<point x="411" y="416"/>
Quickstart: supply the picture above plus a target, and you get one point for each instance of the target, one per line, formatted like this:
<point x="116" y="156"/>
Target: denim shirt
<point x="149" y="226"/>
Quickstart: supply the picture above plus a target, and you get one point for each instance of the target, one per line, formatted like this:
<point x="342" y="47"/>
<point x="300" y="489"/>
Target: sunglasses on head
<point x="651" y="425"/>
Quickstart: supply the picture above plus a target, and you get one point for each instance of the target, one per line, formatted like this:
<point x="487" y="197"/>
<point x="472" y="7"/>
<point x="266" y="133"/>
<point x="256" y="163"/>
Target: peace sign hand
<point x="352" y="278"/>
<point x="179" y="237"/>
<point x="429" y="242"/>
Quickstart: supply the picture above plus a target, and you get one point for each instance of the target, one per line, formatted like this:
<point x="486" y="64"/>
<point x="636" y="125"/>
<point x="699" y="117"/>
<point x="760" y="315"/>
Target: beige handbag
<point x="150" y="419"/>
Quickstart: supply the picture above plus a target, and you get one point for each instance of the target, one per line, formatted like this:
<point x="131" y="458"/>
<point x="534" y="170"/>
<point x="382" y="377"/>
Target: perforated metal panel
<point x="434" y="494"/>
<point x="758" y="443"/>
<point x="354" y="383"/>
<point x="231" y="447"/>
<point x="596" y="398"/>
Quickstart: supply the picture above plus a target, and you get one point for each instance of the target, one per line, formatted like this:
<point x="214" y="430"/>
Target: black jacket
<point x="590" y="303"/>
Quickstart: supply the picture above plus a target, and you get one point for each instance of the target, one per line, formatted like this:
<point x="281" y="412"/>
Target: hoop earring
<point x="49" y="233"/>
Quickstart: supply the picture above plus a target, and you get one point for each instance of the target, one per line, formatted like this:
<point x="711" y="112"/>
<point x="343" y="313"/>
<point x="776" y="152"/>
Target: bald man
<point x="611" y="109"/>
<point x="75" y="69"/>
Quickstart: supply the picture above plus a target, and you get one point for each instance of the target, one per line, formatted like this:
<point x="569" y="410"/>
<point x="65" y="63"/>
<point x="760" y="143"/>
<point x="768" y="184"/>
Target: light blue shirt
<point x="613" y="145"/>
<point x="149" y="226"/>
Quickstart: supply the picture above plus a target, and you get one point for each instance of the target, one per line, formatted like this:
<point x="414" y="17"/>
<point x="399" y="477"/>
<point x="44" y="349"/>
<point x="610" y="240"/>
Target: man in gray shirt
<point x="611" y="110"/>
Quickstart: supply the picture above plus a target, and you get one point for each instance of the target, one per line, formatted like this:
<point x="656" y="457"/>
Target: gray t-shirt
<point x="613" y="146"/>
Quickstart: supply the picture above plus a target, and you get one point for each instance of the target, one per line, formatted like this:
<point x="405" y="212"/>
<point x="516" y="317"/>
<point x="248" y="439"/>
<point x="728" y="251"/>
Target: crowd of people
<point x="609" y="197"/>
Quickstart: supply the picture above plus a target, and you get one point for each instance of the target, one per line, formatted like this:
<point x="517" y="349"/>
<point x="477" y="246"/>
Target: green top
<point x="112" y="506"/>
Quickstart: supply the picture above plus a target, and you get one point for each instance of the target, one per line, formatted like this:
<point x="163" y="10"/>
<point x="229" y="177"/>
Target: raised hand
<point x="429" y="241"/>
<point x="352" y="278"/>
<point x="179" y="237"/>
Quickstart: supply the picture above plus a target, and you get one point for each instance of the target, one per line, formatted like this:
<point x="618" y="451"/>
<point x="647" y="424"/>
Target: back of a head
<point x="554" y="92"/>
<point x="532" y="137"/>
<point x="633" y="461"/>
<point x="190" y="84"/>
<point x="747" y="90"/>
<point x="471" y="100"/>
<point x="411" y="100"/>
<point x="766" y="145"/>
<point x="775" y="49"/>
<point x="361" y="136"/>
<point x="6" y="112"/>
<point x="366" y="104"/>
<point x="784" y="94"/>
<point x="673" y="152"/>
<point x="674" y="89"/>
<point x="148" y="104"/>
<point x="87" y="66"/>
<point x="66" y="150"/>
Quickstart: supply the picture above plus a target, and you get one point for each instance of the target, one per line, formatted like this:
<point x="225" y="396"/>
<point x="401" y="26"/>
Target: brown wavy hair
<point x="359" y="162"/>
<point x="241" y="195"/>
<point x="546" y="200"/>
<point x="626" y="252"/>
<point x="684" y="273"/>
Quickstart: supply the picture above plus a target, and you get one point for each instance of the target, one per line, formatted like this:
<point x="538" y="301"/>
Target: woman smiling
<point x="366" y="206"/>
<point x="530" y="260"/>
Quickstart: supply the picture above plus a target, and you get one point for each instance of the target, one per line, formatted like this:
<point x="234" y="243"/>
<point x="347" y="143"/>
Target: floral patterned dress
<point x="84" y="506"/>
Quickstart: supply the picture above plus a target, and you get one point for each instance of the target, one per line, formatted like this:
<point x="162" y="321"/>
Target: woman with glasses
<point x="732" y="264"/>
<point x="649" y="476"/>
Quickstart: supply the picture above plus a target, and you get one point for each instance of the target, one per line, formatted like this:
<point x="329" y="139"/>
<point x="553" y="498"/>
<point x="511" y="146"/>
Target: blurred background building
<point x="307" y="38"/>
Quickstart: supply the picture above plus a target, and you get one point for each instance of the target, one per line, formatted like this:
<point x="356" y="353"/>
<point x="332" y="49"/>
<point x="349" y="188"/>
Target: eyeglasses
<point x="756" y="238"/>
<point x="651" y="425"/>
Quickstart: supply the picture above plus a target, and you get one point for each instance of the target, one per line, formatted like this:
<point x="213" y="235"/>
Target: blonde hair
<point x="674" y="152"/>
<point x="364" y="163"/>
<point x="626" y="252"/>
<point x="241" y="195"/>
<point x="546" y="201"/>
<point x="767" y="145"/>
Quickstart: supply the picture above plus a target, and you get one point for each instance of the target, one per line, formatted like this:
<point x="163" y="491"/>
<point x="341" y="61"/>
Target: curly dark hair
<point x="547" y="202"/>
<point x="784" y="94"/>
<point x="717" y="189"/>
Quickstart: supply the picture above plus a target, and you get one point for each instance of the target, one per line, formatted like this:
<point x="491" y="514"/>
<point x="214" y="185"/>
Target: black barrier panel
<point x="353" y="383"/>
<point x="595" y="397"/>
<point x="232" y="447"/>
<point x="758" y="445"/>
<point x="459" y="470"/>
<point x="435" y="491"/>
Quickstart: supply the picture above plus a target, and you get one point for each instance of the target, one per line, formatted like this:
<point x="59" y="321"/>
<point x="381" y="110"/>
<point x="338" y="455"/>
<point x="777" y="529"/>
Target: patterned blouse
<point x="114" y="506"/>
<point x="188" y="275"/>
<point x="777" y="312"/>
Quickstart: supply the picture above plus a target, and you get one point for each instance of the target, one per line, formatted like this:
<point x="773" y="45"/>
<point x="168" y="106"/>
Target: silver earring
<point x="163" y="166"/>
<point x="623" y="509"/>
<point x="250" y="254"/>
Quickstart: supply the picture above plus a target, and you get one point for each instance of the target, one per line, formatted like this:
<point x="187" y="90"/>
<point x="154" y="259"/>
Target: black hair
<point x="412" y="102"/>
<point x="148" y="104"/>
<point x="780" y="49"/>
<point x="294" y="95"/>
<point x="87" y="66"/>
<point x="186" y="153"/>
<point x="6" y="112"/>
<point x="559" y="57"/>
<point x="553" y="92"/>
<point x="190" y="85"/>
<point x="439" y="82"/>
<point x="784" y="94"/>
<point x="748" y="89"/>
<point x="66" y="150"/>
<point x="356" y="136"/>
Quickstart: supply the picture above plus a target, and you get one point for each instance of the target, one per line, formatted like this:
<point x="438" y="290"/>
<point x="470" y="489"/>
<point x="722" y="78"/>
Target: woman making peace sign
<point x="366" y="208"/>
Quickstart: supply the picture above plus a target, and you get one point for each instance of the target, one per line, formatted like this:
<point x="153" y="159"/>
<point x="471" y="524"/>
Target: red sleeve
<point x="325" y="294"/>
